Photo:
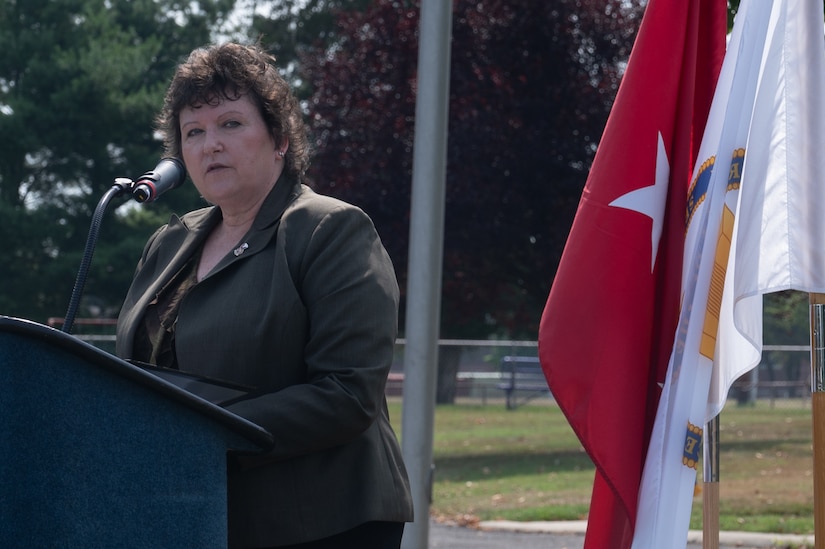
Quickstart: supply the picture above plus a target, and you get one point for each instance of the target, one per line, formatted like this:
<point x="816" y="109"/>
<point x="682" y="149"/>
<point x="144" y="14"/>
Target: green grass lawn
<point x="526" y="464"/>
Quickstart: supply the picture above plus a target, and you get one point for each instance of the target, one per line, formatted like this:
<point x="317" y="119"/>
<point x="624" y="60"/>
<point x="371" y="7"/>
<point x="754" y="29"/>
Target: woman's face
<point x="229" y="153"/>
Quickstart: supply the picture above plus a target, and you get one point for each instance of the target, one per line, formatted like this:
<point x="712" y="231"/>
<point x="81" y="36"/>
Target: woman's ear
<point x="283" y="147"/>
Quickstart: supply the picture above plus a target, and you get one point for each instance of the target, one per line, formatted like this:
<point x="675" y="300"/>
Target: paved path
<point x="570" y="535"/>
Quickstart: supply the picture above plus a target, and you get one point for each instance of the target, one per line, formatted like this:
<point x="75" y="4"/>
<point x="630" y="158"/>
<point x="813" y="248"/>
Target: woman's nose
<point x="212" y="142"/>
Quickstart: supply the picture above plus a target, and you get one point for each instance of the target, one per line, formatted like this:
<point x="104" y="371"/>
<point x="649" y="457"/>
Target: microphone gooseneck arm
<point x="167" y="175"/>
<point x="120" y="186"/>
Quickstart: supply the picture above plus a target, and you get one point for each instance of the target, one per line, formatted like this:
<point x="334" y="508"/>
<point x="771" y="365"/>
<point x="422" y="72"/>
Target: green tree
<point x="286" y="27"/>
<point x="80" y="84"/>
<point x="786" y="321"/>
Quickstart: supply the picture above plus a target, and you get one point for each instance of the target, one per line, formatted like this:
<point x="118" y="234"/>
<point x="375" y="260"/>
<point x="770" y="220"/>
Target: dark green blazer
<point x="305" y="312"/>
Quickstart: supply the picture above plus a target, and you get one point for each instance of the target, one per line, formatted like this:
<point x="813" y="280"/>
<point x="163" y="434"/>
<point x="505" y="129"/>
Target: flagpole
<point x="710" y="489"/>
<point x="818" y="411"/>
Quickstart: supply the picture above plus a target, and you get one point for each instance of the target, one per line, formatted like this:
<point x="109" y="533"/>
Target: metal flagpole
<point x="424" y="265"/>
<point x="710" y="488"/>
<point x="817" y="309"/>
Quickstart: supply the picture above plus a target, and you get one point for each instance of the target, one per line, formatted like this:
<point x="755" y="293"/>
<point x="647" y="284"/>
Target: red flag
<point x="607" y="329"/>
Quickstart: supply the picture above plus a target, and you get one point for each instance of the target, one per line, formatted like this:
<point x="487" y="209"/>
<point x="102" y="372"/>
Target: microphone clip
<point x="167" y="175"/>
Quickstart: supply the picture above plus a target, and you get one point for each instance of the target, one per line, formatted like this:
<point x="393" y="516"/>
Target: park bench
<point x="522" y="379"/>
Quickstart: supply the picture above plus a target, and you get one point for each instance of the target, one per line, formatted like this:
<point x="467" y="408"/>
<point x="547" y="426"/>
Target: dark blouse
<point x="155" y="337"/>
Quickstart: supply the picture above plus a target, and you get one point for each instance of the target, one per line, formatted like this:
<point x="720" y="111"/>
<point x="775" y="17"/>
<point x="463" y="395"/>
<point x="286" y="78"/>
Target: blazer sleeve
<point x="348" y="286"/>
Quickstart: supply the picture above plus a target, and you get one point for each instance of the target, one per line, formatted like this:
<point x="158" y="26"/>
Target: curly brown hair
<point x="226" y="72"/>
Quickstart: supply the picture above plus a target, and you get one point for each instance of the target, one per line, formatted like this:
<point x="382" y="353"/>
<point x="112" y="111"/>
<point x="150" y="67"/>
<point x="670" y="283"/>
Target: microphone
<point x="167" y="175"/>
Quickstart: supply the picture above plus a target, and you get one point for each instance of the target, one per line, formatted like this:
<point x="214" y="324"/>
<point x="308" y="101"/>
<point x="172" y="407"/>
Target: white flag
<point x="753" y="224"/>
<point x="781" y="218"/>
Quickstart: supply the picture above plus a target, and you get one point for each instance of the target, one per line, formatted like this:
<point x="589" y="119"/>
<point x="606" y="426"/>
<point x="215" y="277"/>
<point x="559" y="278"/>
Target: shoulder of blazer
<point x="310" y="205"/>
<point x="300" y="223"/>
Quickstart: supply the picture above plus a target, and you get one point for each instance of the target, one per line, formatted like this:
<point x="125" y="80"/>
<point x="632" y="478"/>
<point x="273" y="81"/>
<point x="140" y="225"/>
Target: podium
<point x="97" y="452"/>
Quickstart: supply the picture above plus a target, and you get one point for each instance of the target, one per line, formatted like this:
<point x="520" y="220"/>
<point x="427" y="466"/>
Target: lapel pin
<point x="241" y="249"/>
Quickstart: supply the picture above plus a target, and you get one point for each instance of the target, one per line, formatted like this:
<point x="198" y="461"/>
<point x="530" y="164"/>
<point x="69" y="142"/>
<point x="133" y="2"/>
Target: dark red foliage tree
<point x="531" y="86"/>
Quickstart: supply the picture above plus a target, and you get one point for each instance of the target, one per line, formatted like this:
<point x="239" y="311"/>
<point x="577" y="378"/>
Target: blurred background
<point x="530" y="90"/>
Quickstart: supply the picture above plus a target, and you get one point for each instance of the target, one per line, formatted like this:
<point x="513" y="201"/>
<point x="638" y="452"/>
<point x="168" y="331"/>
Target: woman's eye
<point x="232" y="124"/>
<point x="193" y="132"/>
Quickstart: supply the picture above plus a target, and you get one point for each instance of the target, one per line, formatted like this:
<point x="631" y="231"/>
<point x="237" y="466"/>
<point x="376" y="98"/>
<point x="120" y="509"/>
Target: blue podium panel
<point x="95" y="452"/>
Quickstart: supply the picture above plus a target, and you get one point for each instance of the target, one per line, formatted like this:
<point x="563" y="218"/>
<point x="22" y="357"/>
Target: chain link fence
<point x="477" y="371"/>
<point x="782" y="378"/>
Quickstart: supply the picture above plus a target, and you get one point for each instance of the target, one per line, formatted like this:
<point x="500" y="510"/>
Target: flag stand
<point x="710" y="489"/>
<point x="818" y="413"/>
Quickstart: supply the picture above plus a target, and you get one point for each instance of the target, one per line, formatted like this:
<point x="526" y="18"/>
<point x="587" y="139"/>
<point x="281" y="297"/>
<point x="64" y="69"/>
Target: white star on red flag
<point x="650" y="200"/>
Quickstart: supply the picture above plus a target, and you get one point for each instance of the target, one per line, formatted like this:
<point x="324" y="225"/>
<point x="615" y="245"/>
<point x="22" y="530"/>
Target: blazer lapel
<point x="169" y="252"/>
<point x="182" y="239"/>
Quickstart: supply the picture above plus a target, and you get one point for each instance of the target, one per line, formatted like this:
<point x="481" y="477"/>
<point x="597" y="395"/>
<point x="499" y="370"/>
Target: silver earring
<point x="281" y="153"/>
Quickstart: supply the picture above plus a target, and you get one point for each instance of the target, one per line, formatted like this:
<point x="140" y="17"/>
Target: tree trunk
<point x="447" y="380"/>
